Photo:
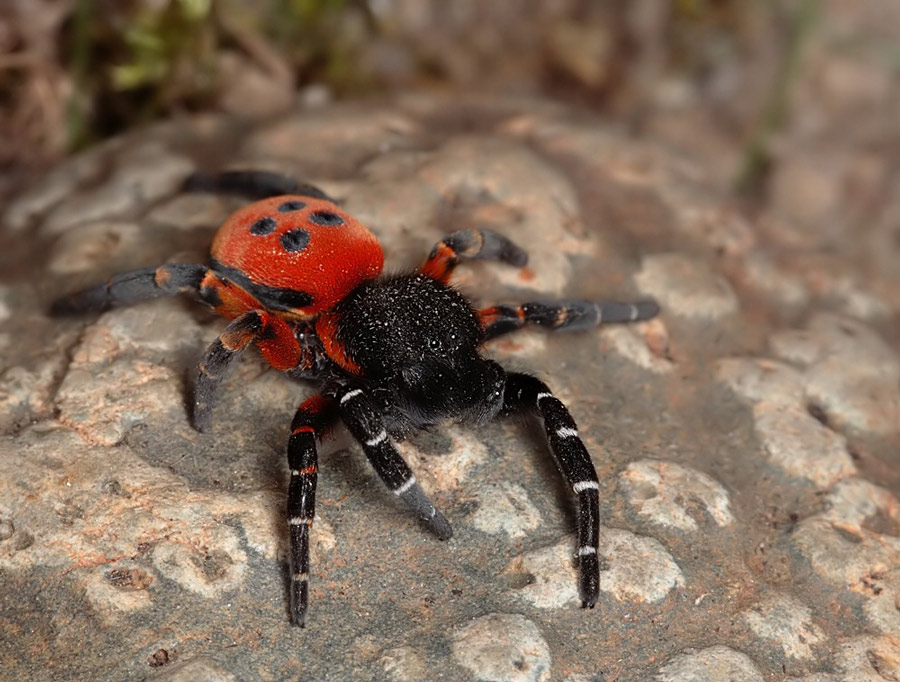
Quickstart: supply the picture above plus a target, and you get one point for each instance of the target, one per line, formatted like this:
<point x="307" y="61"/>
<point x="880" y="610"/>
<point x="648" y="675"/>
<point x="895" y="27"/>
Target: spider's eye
<point x="263" y="226"/>
<point x="295" y="240"/>
<point x="326" y="218"/>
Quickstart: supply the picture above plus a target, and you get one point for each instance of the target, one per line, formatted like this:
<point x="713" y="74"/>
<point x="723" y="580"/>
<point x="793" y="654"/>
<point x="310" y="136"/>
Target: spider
<point x="301" y="280"/>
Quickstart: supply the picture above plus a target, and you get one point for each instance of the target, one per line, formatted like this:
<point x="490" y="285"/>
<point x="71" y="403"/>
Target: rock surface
<point x="746" y="441"/>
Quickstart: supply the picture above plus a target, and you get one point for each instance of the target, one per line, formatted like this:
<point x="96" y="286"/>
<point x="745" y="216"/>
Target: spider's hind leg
<point x="250" y="184"/>
<point x="562" y="315"/>
<point x="128" y="288"/>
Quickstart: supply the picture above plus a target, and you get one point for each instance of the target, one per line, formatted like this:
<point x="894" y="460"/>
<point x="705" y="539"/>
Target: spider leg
<point x="314" y="416"/>
<point x="253" y="185"/>
<point x="525" y="393"/>
<point x="468" y="245"/>
<point x="128" y="288"/>
<point x="365" y="423"/>
<point x="563" y="315"/>
<point x="273" y="336"/>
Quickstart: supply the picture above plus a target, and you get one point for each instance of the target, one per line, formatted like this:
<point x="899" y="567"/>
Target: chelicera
<point x="302" y="281"/>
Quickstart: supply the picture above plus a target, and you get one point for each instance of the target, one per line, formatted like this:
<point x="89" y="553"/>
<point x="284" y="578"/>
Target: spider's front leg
<point x="275" y="340"/>
<point x="128" y="288"/>
<point x="367" y="426"/>
<point x="562" y="315"/>
<point x="313" y="417"/>
<point x="525" y="393"/>
<point x="471" y="245"/>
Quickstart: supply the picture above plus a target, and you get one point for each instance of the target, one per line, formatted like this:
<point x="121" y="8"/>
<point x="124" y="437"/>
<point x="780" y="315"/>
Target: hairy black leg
<point x="253" y="185"/>
<point x="365" y="423"/>
<point x="128" y="288"/>
<point x="217" y="363"/>
<point x="525" y="393"/>
<point x="314" y="416"/>
<point x="468" y="245"/>
<point x="562" y="315"/>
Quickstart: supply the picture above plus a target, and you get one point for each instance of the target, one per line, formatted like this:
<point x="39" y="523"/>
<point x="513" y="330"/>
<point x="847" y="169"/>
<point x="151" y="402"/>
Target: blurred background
<point x="793" y="103"/>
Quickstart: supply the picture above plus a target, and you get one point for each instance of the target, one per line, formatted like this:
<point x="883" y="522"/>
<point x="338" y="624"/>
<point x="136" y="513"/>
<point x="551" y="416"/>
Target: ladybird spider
<point x="301" y="280"/>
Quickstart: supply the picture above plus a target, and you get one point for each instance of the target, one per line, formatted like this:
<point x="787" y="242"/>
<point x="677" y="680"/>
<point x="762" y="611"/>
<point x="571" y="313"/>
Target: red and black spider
<point x="301" y="280"/>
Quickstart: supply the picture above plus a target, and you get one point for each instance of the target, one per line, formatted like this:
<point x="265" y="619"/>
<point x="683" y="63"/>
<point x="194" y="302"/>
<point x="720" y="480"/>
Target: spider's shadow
<point x="548" y="471"/>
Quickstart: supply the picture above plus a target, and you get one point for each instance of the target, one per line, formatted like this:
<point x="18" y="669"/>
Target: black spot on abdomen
<point x="295" y="240"/>
<point x="263" y="226"/>
<point x="326" y="218"/>
<point x="293" y="205"/>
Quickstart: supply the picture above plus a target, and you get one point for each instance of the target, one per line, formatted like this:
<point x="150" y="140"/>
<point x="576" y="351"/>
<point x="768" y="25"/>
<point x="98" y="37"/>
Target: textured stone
<point x="328" y="137"/>
<point x="505" y="508"/>
<point x="199" y="669"/>
<point x="540" y="198"/>
<point x="122" y="588"/>
<point x="144" y="175"/>
<point x="640" y="568"/>
<point x="452" y="470"/>
<point x="786" y="623"/>
<point x="130" y="544"/>
<point x="869" y="659"/>
<point x="57" y="185"/>
<point x="189" y="211"/>
<point x="208" y="573"/>
<point x="25" y="395"/>
<point x="856" y="301"/>
<point x="807" y="189"/>
<point x="648" y="350"/>
<point x="834" y="376"/>
<point x="774" y="281"/>
<point x="531" y="347"/>
<point x="486" y="181"/>
<point x="762" y="380"/>
<point x="724" y="230"/>
<point x="800" y="445"/>
<point x="405" y="664"/>
<point x="844" y="551"/>
<point x="84" y="247"/>
<point x="851" y="374"/>
<point x="715" y="664"/>
<point x="551" y="576"/>
<point x="667" y="494"/>
<point x="105" y="507"/>
<point x="99" y="402"/>
<point x="502" y="647"/>
<point x="686" y="287"/>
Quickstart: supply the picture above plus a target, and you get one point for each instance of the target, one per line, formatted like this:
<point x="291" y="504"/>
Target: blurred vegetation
<point x="774" y="112"/>
<point x="73" y="72"/>
<point x="135" y="61"/>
